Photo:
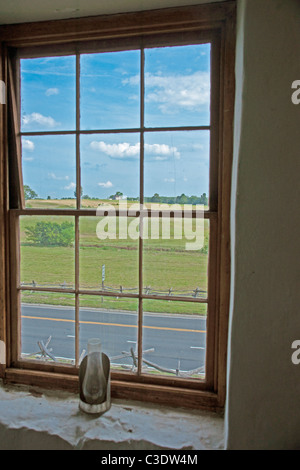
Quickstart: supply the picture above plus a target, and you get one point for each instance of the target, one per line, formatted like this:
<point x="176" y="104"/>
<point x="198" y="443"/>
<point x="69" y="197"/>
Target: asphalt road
<point x="174" y="338"/>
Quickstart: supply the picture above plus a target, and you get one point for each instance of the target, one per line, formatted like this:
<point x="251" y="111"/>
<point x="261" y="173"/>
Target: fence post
<point x="103" y="275"/>
<point x="196" y="291"/>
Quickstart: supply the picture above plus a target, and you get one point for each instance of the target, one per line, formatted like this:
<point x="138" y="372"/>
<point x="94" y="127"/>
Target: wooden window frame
<point x="215" y="22"/>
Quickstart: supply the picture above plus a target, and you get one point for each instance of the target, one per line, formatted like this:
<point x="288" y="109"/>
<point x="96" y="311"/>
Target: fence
<point x="148" y="290"/>
<point x="45" y="353"/>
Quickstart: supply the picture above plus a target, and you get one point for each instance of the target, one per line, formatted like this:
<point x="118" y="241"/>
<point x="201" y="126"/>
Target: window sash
<point x="220" y="22"/>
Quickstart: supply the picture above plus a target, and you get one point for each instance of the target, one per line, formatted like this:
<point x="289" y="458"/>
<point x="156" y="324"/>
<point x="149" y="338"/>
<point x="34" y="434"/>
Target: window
<point x="120" y="152"/>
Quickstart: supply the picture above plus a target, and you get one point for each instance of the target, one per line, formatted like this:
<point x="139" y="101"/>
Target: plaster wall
<point x="22" y="11"/>
<point x="262" y="410"/>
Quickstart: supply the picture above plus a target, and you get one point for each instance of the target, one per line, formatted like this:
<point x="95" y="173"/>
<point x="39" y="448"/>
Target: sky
<point x="177" y="93"/>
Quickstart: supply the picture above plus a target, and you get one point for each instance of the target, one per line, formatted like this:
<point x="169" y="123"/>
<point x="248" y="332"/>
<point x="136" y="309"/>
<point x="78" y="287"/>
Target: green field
<point x="166" y="262"/>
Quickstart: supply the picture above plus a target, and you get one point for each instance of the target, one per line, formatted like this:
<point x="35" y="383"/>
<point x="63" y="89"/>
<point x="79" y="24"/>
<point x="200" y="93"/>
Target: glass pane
<point x="175" y="256"/>
<point x="177" y="167"/>
<point x="110" y="90"/>
<point x="109" y="254"/>
<point x="177" y="86"/>
<point x="48" y="326"/>
<point x="47" y="251"/>
<point x="48" y="94"/>
<point x="109" y="168"/>
<point x="174" y="338"/>
<point x="114" y="321"/>
<point x="49" y="171"/>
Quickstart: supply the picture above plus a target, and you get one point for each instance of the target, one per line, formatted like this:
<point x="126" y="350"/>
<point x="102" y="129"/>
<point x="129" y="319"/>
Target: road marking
<point x="114" y="324"/>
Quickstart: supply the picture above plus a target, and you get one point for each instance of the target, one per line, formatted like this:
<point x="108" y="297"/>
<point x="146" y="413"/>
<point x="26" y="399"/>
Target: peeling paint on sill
<point x="31" y="418"/>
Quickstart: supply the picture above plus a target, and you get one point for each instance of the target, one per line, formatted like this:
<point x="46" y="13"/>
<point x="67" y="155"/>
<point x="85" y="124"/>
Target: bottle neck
<point x="94" y="346"/>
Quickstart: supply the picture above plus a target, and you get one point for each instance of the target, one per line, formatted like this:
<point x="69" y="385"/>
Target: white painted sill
<point x="35" y="419"/>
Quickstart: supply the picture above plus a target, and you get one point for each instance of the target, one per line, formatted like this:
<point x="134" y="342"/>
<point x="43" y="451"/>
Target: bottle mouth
<point x="94" y="344"/>
<point x="94" y="341"/>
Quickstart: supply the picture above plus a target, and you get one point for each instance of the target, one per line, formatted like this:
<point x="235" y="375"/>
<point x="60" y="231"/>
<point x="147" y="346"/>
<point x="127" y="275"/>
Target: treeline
<point x="183" y="199"/>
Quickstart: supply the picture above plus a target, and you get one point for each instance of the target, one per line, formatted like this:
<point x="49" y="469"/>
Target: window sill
<point x="36" y="419"/>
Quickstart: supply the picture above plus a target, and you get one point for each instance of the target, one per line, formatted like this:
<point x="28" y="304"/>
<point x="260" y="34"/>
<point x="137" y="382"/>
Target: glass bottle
<point x="94" y="385"/>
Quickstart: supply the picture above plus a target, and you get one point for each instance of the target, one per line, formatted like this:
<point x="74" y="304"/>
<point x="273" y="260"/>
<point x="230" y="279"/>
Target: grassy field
<point x="166" y="262"/>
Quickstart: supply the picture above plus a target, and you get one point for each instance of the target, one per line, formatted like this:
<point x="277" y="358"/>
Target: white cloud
<point x="27" y="145"/>
<point x="37" y="118"/>
<point x="71" y="186"/>
<point x="169" y="180"/>
<point x="162" y="150"/>
<point x="126" y="150"/>
<point x="198" y="146"/>
<point x="117" y="150"/>
<point x="108" y="184"/>
<point x="176" y="92"/>
<point x="53" y="176"/>
<point x="52" y="91"/>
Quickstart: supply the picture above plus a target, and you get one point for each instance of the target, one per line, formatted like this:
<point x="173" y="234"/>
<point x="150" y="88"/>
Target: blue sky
<point x="177" y="93"/>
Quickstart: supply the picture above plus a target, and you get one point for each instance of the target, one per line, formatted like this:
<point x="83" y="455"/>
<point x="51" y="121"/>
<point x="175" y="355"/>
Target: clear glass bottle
<point x="94" y="385"/>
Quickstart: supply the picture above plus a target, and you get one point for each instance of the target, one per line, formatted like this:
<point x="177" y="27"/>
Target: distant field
<point x="167" y="264"/>
<point x="85" y="203"/>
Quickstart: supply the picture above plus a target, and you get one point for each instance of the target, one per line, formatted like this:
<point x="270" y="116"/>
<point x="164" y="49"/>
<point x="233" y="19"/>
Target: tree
<point x="29" y="193"/>
<point x="203" y="199"/>
<point x="155" y="198"/>
<point x="81" y="192"/>
<point x="183" y="199"/>
<point x="194" y="200"/>
<point x="51" y="234"/>
<point x="118" y="195"/>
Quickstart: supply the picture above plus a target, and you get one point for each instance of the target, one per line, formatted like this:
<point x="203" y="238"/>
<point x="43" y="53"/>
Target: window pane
<point x="177" y="86"/>
<point x="109" y="254"/>
<point x="175" y="256"/>
<point x="48" y="94"/>
<point x="177" y="167"/>
<point x="48" y="320"/>
<point x="47" y="251"/>
<point x="174" y="338"/>
<point x="49" y="171"/>
<point x="110" y="90"/>
<point x="109" y="167"/>
<point x="114" y="321"/>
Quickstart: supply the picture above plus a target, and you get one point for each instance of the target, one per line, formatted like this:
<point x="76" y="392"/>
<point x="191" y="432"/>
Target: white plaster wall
<point x="21" y="11"/>
<point x="262" y="409"/>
